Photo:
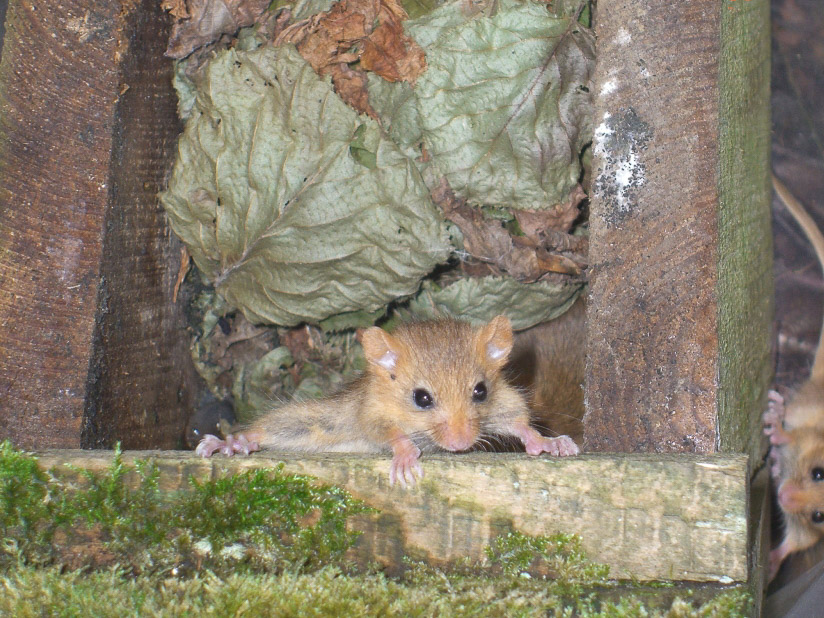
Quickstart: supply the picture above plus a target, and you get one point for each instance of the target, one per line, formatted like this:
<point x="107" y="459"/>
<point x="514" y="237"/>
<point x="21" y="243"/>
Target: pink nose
<point x="790" y="498"/>
<point x="459" y="438"/>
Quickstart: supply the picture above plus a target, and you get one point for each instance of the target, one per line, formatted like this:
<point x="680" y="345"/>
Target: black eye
<point x="818" y="517"/>
<point x="817" y="474"/>
<point x="479" y="392"/>
<point x="422" y="398"/>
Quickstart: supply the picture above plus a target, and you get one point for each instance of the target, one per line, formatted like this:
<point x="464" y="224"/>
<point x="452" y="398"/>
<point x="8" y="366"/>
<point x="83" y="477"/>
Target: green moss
<point x="26" y="504"/>
<point x="560" y="556"/>
<point x="269" y="511"/>
<point x="327" y="592"/>
<point x="265" y="543"/>
<point x="259" y="519"/>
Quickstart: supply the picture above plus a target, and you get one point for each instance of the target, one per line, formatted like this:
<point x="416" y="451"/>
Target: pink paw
<point x="231" y="445"/>
<point x="777" y="557"/>
<point x="775" y="466"/>
<point x="773" y="419"/>
<point x="405" y="468"/>
<point x="562" y="446"/>
<point x="776" y="403"/>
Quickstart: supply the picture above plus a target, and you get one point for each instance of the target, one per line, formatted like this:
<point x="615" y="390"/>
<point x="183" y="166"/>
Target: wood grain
<point x="664" y="331"/>
<point x="91" y="344"/>
<point x="650" y="517"/>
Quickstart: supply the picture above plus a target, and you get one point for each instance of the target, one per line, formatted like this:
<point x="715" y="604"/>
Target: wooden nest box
<point x="94" y="346"/>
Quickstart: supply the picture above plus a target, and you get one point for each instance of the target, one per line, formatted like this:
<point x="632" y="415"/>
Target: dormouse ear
<point x="380" y="348"/>
<point x="495" y="340"/>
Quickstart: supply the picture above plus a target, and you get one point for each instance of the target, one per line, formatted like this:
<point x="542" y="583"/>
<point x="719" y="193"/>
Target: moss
<point x="327" y="592"/>
<point x="559" y="556"/>
<point x="265" y="543"/>
<point x="26" y="504"/>
<point x="260" y="519"/>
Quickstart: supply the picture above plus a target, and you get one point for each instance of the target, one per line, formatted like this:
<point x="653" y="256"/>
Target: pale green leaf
<point x="504" y="107"/>
<point x="478" y="300"/>
<point x="275" y="209"/>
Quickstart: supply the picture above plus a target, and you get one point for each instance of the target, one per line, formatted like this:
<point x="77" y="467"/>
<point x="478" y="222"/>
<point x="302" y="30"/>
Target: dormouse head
<point x="438" y="380"/>
<point x="801" y="493"/>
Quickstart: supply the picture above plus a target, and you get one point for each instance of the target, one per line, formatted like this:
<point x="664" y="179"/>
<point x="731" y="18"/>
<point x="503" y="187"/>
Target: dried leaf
<point x="504" y="107"/>
<point x="351" y="87"/>
<point x="208" y="20"/>
<point x="389" y="52"/>
<point x="488" y="241"/>
<point x="185" y="265"/>
<point x="177" y="8"/>
<point x="479" y="299"/>
<point x="277" y="211"/>
<point x="300" y="341"/>
<point x="352" y="30"/>
<point x="535" y="223"/>
<point x="554" y="263"/>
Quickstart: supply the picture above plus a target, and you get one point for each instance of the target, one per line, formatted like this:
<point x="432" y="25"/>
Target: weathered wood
<point x="648" y="517"/>
<point x="680" y="304"/>
<point x="759" y="543"/>
<point x="745" y="276"/>
<point x="141" y="383"/>
<point x="91" y="343"/>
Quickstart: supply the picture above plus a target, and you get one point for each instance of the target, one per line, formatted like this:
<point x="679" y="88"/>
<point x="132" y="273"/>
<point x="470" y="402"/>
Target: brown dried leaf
<point x="322" y="38"/>
<point x="185" y="265"/>
<point x="300" y="341"/>
<point x="177" y="8"/>
<point x="389" y="52"/>
<point x="326" y="39"/>
<point x="236" y="342"/>
<point x="535" y="223"/>
<point x="352" y="30"/>
<point x="209" y="20"/>
<point x="552" y="262"/>
<point x="351" y="87"/>
<point x="486" y="240"/>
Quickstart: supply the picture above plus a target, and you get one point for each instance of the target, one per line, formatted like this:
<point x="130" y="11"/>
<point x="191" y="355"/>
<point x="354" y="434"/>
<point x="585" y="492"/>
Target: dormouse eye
<point x="818" y="517"/>
<point x="423" y="398"/>
<point x="817" y="474"/>
<point x="479" y="393"/>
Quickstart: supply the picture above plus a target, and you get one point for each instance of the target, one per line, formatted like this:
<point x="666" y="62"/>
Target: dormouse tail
<point x="817" y="240"/>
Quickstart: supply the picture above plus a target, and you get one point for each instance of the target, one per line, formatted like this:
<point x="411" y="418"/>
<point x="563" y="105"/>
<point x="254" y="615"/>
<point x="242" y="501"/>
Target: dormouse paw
<point x="562" y="446"/>
<point x="231" y="445"/>
<point x="405" y="468"/>
<point x="777" y="557"/>
<point x="773" y="420"/>
<point x="775" y="466"/>
<point x="776" y="404"/>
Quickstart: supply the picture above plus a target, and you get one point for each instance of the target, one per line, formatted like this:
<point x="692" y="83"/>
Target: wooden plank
<point x="759" y="543"/>
<point x="679" y="310"/>
<point x="745" y="270"/>
<point x="56" y="98"/>
<point x="650" y="517"/>
<point x="91" y="344"/>
<point x="141" y="384"/>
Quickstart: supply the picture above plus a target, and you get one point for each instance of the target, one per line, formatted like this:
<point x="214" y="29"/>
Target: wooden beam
<point x="649" y="517"/>
<point x="680" y="246"/>
<point x="93" y="344"/>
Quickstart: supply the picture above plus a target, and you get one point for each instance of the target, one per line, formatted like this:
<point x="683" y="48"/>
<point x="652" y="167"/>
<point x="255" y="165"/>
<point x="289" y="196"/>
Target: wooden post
<point x="681" y="252"/>
<point x="91" y="344"/>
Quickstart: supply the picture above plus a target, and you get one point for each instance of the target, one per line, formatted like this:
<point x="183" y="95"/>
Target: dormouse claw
<point x="405" y="466"/>
<point x="562" y="446"/>
<point x="231" y="445"/>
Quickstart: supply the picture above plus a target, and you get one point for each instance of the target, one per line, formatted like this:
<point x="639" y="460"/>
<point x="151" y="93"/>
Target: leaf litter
<point x="337" y="154"/>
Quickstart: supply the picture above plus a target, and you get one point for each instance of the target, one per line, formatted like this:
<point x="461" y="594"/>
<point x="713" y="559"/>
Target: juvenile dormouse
<point x="548" y="364"/>
<point x="796" y="432"/>
<point x="428" y="386"/>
